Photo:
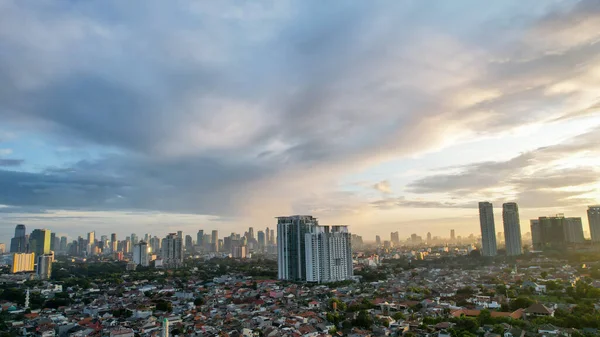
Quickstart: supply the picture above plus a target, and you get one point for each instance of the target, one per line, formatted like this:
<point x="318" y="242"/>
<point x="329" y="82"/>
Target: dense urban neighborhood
<point x="392" y="294"/>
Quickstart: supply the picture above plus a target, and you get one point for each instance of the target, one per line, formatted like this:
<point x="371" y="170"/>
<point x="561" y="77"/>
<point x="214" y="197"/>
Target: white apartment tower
<point x="140" y="254"/>
<point x="512" y="229"/>
<point x="172" y="250"/>
<point x="328" y="254"/>
<point x="488" y="229"/>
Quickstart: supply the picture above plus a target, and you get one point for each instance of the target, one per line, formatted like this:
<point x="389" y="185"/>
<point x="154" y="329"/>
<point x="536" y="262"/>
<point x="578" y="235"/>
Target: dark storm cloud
<point x="11" y="162"/>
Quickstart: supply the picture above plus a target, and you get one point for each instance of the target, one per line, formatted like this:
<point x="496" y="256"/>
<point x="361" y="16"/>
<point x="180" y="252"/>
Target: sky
<point x="155" y="116"/>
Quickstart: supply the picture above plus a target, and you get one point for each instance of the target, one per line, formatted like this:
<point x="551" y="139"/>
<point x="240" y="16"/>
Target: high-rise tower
<point x="512" y="229"/>
<point x="593" y="214"/>
<point x="488" y="229"/>
<point x="18" y="244"/>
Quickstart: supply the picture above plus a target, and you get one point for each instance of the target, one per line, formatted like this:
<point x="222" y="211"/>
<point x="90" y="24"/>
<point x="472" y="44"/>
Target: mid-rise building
<point x="593" y="214"/>
<point x="23" y="262"/>
<point x="395" y="238"/>
<point x="238" y="250"/>
<point x="573" y="230"/>
<point x="328" y="254"/>
<point x="44" y="266"/>
<point x="140" y="254"/>
<point x="488" y="229"/>
<point x="512" y="229"/>
<point x="172" y="251"/>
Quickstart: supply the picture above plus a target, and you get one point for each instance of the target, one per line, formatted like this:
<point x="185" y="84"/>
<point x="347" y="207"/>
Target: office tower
<point x="251" y="233"/>
<point x="428" y="236"/>
<point x="91" y="241"/>
<point x="39" y="241"/>
<point x="261" y="239"/>
<point x="63" y="244"/>
<point x="180" y="234"/>
<point x="189" y="243"/>
<point x="593" y="214"/>
<point x="552" y="231"/>
<point x="44" y="266"/>
<point x="200" y="238"/>
<point x="291" y="246"/>
<point x="215" y="241"/>
<point x="134" y="239"/>
<point x="573" y="230"/>
<point x="377" y="240"/>
<point x="140" y="254"/>
<point x="18" y="244"/>
<point x="488" y="229"/>
<point x="52" y="241"/>
<point x="272" y="237"/>
<point x="395" y="238"/>
<point x="113" y="242"/>
<point x="328" y="254"/>
<point x="23" y="262"/>
<point x="536" y="234"/>
<point x="267" y="237"/>
<point x="512" y="229"/>
<point x="452" y="233"/>
<point x="172" y="250"/>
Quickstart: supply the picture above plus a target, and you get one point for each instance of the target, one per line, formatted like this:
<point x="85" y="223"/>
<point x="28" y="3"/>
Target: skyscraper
<point x="536" y="234"/>
<point x="113" y="242"/>
<point x="488" y="229"/>
<point x="39" y="241"/>
<point x="189" y="243"/>
<point x="140" y="254"/>
<point x="378" y="240"/>
<point x="328" y="254"/>
<point x="593" y="214"/>
<point x="291" y="246"/>
<point x="251" y="233"/>
<point x="452" y="233"/>
<point x="428" y="236"/>
<point x="18" y="244"/>
<point x="512" y="229"/>
<point x="91" y="239"/>
<point x="215" y="241"/>
<point x="44" y="266"/>
<point x="180" y="234"/>
<point x="200" y="239"/>
<point x="260" y="236"/>
<point x="63" y="244"/>
<point x="272" y="237"/>
<point x="395" y="238"/>
<point x="267" y="237"/>
<point x="172" y="250"/>
<point x="573" y="230"/>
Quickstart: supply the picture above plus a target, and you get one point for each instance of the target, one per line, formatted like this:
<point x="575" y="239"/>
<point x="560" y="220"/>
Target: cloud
<point x="255" y="108"/>
<point x="11" y="162"/>
<point x="383" y="186"/>
<point x="402" y="202"/>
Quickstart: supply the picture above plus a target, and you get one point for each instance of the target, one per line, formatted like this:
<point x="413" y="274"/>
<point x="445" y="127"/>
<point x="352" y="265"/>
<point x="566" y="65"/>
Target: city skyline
<point x="223" y="116"/>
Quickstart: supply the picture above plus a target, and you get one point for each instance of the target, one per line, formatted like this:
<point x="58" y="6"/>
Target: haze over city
<point x="395" y="116"/>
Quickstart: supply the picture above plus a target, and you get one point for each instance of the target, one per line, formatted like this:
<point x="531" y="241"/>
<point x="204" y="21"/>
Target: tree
<point x="398" y="316"/>
<point x="198" y="301"/>
<point x="521" y="302"/>
<point x="363" y="320"/>
<point x="544" y="274"/>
